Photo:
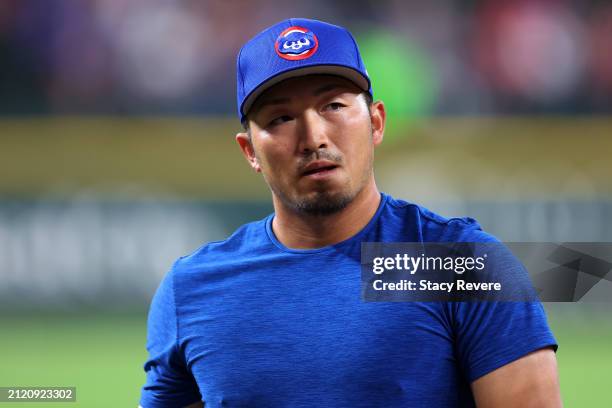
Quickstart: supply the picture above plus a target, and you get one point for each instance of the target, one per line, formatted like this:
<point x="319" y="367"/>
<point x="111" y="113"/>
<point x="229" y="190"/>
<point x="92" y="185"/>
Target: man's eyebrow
<point x="279" y="101"/>
<point x="326" y="88"/>
<point x="271" y="101"/>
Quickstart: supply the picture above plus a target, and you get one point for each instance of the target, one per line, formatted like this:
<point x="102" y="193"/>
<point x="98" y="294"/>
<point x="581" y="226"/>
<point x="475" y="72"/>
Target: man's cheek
<point x="276" y="166"/>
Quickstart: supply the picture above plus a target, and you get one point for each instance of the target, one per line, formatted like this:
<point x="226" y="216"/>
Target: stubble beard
<point x="322" y="203"/>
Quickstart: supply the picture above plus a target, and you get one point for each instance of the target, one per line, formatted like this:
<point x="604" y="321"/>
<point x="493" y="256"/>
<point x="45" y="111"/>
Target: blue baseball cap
<point x="296" y="47"/>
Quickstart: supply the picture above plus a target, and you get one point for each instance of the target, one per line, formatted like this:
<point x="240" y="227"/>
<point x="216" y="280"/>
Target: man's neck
<point x="303" y="231"/>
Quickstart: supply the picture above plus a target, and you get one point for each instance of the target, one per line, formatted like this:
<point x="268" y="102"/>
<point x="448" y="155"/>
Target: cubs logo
<point x="296" y="43"/>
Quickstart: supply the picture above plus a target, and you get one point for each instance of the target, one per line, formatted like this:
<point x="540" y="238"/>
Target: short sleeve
<point x="490" y="335"/>
<point x="169" y="382"/>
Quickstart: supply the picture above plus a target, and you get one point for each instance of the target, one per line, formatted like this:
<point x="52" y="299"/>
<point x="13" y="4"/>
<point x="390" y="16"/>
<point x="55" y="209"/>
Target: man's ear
<point x="247" y="150"/>
<point x="378" y="116"/>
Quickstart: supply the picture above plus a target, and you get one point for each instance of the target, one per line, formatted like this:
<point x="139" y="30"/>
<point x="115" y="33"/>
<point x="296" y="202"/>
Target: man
<point x="273" y="316"/>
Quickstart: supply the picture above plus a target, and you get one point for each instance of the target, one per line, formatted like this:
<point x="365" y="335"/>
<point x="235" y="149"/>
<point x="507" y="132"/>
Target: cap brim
<point x="349" y="73"/>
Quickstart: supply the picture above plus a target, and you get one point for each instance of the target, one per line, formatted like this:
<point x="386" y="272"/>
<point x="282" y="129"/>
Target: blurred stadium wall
<point x="98" y="209"/>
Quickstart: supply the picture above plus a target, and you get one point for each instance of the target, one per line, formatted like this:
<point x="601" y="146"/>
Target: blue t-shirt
<point x="248" y="322"/>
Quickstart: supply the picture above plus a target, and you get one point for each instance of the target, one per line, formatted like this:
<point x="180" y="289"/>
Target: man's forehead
<point x="309" y="84"/>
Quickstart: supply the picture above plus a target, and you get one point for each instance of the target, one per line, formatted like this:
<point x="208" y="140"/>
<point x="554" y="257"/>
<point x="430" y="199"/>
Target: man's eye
<point x="334" y="106"/>
<point x="279" y="120"/>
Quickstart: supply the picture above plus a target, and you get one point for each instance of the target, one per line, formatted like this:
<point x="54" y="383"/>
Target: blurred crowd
<point x="178" y="57"/>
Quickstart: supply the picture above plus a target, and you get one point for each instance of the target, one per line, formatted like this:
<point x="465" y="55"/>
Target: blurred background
<point x="117" y="156"/>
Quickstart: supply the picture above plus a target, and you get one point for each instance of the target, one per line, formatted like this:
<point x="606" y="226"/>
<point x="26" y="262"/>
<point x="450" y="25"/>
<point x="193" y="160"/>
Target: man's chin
<point x="323" y="203"/>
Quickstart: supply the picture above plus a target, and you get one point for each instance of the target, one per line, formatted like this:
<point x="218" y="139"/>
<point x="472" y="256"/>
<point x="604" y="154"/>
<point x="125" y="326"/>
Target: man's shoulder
<point x="433" y="227"/>
<point x="247" y="239"/>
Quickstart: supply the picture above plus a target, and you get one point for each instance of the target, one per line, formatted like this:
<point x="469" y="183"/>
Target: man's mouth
<point x="319" y="168"/>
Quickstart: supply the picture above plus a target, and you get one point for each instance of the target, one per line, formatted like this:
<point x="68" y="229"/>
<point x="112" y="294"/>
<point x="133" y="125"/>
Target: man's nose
<point x="313" y="132"/>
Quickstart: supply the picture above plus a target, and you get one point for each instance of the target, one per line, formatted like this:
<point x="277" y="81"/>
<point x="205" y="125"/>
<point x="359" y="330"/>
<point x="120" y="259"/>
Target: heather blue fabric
<point x="247" y="322"/>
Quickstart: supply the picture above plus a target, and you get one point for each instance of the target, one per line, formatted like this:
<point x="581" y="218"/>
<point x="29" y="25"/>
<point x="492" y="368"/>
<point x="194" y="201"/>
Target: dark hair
<point x="366" y="95"/>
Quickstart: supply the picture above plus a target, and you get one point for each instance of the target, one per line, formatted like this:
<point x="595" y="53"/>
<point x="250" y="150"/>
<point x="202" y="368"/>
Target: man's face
<point x="312" y="137"/>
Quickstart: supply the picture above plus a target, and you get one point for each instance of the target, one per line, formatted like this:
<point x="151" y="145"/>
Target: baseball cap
<point x="296" y="47"/>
